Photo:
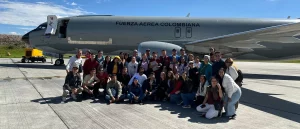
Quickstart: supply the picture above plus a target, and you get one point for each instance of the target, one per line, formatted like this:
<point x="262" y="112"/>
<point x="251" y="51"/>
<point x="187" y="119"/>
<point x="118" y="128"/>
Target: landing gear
<point x="59" y="61"/>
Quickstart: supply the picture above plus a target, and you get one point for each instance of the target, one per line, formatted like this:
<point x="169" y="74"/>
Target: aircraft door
<point x="188" y="32"/>
<point x="177" y="32"/>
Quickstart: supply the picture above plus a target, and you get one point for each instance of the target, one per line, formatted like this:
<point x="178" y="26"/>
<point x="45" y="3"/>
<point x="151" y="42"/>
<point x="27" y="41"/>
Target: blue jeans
<point x="230" y="106"/>
<point x="175" y="98"/>
<point x="130" y="97"/>
<point x="108" y="98"/>
<point x="188" y="98"/>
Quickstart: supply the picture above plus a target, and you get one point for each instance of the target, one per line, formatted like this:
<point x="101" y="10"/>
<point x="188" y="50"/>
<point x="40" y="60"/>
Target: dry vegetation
<point x="11" y="40"/>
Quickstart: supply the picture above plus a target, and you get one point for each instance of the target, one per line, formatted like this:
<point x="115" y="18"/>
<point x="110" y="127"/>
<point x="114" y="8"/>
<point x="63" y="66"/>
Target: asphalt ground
<point x="30" y="97"/>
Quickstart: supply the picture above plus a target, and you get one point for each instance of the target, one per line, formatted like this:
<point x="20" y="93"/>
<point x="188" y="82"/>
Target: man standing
<point x="174" y="53"/>
<point x="114" y="90"/>
<point x="148" y="54"/>
<point x="135" y="54"/>
<point x="99" y="57"/>
<point x="77" y="60"/>
<point x="90" y="64"/>
<point x="182" y="54"/>
<point x="218" y="64"/>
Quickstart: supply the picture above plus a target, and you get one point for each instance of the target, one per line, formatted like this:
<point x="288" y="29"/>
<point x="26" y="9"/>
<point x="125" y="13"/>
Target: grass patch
<point x="15" y="51"/>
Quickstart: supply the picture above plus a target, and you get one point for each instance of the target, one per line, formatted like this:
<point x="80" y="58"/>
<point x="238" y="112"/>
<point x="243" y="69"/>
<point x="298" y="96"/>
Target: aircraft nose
<point x="25" y="38"/>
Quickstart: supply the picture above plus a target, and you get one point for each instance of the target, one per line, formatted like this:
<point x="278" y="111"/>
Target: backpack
<point x="239" y="79"/>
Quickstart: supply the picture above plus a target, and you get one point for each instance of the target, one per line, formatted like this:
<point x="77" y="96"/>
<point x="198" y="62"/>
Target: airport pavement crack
<point x="26" y="78"/>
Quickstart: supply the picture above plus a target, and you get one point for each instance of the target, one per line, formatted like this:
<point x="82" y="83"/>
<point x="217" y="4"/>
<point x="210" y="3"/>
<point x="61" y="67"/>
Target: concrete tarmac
<point x="30" y="97"/>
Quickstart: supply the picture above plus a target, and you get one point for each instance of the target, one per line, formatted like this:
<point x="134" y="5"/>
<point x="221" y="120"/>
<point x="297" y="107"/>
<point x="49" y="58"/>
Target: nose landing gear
<point x="59" y="61"/>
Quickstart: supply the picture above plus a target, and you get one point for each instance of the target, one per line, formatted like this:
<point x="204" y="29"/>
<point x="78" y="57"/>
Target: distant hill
<point x="11" y="40"/>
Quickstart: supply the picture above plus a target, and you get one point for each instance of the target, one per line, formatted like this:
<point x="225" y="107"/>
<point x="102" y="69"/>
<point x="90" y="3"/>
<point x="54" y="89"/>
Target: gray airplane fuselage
<point x="125" y="33"/>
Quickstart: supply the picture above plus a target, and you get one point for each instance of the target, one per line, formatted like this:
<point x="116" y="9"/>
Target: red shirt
<point x="103" y="78"/>
<point x="89" y="65"/>
<point x="165" y="61"/>
<point x="178" y="84"/>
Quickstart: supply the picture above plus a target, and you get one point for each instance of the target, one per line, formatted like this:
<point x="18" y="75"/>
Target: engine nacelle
<point x="156" y="46"/>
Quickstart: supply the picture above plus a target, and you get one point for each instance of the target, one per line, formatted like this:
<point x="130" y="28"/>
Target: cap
<point x="118" y="57"/>
<point x="191" y="62"/>
<point x="174" y="50"/>
<point x="75" y="65"/>
<point x="135" y="78"/>
<point x="207" y="56"/>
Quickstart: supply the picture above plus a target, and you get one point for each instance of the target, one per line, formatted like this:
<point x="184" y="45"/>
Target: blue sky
<point x="20" y="16"/>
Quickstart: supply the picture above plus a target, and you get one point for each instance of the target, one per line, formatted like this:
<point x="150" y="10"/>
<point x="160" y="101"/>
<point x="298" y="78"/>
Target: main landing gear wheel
<point x="59" y="62"/>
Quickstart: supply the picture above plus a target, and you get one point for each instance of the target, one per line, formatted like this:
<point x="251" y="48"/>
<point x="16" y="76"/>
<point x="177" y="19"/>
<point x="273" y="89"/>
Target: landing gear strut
<point x="60" y="60"/>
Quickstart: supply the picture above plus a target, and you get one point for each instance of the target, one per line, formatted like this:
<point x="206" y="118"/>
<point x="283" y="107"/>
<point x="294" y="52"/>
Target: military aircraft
<point x="269" y="38"/>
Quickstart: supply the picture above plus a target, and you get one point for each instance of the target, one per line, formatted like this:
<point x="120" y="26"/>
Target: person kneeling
<point x="72" y="83"/>
<point x="114" y="91"/>
<point x="135" y="92"/>
<point x="212" y="102"/>
<point x="89" y="82"/>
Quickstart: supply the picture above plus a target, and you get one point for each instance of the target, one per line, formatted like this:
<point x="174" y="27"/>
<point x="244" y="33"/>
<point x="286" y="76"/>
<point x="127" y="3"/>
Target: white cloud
<point x="73" y="3"/>
<point x="33" y="14"/>
<point x="13" y="33"/>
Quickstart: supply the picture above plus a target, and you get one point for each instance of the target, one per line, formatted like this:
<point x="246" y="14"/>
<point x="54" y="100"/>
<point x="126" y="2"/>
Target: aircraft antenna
<point x="188" y="15"/>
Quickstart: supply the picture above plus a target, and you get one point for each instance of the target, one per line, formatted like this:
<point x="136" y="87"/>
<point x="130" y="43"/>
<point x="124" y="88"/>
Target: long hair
<point x="202" y="84"/>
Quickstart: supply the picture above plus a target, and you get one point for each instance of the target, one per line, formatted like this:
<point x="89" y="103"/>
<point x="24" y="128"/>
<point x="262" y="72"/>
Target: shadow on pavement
<point x="268" y="76"/>
<point x="33" y="66"/>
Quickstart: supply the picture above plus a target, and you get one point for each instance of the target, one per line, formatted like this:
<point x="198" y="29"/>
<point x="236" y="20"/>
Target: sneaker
<point x="180" y="103"/>
<point x="141" y="102"/>
<point x="186" y="106"/>
<point x="232" y="117"/>
<point x="64" y="99"/>
<point x="74" y="96"/>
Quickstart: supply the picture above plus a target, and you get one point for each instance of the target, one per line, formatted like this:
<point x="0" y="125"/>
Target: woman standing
<point x="212" y="102"/>
<point x="206" y="68"/>
<point x="232" y="93"/>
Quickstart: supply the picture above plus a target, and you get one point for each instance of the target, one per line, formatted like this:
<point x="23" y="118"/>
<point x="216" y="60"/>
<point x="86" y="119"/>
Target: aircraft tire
<point x="43" y="60"/>
<point x="57" y="62"/>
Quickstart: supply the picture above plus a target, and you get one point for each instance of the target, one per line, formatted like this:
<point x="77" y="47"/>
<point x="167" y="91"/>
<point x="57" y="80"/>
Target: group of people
<point x="209" y="85"/>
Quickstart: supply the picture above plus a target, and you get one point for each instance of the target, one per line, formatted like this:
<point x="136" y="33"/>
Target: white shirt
<point x="232" y="72"/>
<point x="73" y="60"/>
<point x="141" y="78"/>
<point x="229" y="85"/>
<point x="132" y="68"/>
<point x="197" y="64"/>
<point x="200" y="92"/>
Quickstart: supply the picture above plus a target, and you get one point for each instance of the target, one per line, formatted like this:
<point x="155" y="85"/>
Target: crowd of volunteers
<point x="209" y="85"/>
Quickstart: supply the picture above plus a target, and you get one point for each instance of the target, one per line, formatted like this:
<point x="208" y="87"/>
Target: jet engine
<point x="156" y="46"/>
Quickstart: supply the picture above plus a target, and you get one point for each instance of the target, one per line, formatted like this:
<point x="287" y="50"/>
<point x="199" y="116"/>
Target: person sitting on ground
<point x="89" y="64"/>
<point x="175" y="95"/>
<point x="150" y="87"/>
<point x="187" y="94"/>
<point x="124" y="78"/>
<point x="140" y="76"/>
<point x="132" y="67"/>
<point x="89" y="82"/>
<point x="135" y="92"/>
<point x="72" y="83"/>
<point x="114" y="90"/>
<point x="200" y="95"/>
<point x="232" y="94"/>
<point x="162" y="87"/>
<point x="206" y="68"/>
<point x="103" y="77"/>
<point x="212" y="102"/>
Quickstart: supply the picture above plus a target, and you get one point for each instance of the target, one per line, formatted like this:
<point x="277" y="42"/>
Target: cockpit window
<point x="42" y="26"/>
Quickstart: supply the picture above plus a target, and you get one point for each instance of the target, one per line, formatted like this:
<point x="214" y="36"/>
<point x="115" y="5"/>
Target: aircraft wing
<point x="287" y="33"/>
